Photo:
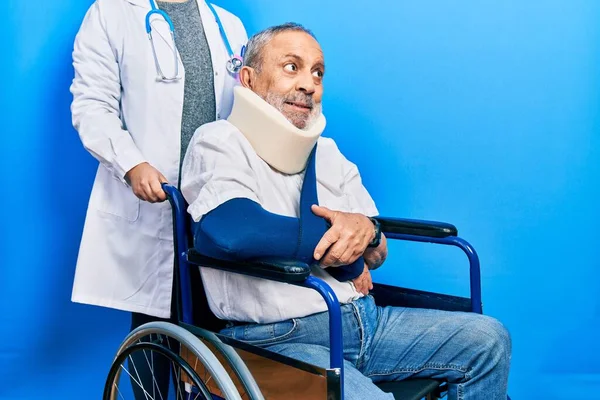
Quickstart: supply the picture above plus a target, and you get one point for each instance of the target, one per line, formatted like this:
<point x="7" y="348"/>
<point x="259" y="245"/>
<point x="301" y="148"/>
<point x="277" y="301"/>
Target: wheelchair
<point x="206" y="365"/>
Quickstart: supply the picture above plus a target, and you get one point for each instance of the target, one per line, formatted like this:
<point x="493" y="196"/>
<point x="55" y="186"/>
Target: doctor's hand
<point x="346" y="240"/>
<point x="363" y="283"/>
<point x="145" y="180"/>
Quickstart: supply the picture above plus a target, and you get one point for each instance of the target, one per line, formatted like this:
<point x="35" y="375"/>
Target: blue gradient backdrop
<point x="484" y="114"/>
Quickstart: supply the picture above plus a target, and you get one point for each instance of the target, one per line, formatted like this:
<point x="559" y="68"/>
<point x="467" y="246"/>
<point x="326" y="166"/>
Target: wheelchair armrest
<point x="416" y="227"/>
<point x="275" y="269"/>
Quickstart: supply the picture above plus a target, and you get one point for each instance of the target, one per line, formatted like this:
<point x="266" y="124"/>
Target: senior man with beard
<point x="265" y="183"/>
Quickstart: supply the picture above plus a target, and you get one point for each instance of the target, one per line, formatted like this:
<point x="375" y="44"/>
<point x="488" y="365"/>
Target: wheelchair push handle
<point x="169" y="189"/>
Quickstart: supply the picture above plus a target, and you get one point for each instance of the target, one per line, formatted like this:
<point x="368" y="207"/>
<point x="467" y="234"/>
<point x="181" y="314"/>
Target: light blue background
<point x="485" y="114"/>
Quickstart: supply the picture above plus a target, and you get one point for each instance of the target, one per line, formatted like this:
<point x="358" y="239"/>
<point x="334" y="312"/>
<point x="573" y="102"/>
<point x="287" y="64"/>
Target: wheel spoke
<point x="151" y="366"/>
<point x="178" y="381"/>
<point x="138" y="380"/>
<point x="176" y="373"/>
<point x="199" y="393"/>
<point x="118" y="391"/>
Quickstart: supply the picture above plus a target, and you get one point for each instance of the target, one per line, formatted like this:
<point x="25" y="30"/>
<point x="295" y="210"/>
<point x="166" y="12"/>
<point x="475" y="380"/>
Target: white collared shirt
<point x="221" y="165"/>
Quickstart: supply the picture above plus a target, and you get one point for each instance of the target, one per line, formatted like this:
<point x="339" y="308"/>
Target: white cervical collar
<point x="275" y="139"/>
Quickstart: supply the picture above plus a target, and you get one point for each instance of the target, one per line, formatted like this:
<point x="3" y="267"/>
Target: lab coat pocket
<point x="115" y="198"/>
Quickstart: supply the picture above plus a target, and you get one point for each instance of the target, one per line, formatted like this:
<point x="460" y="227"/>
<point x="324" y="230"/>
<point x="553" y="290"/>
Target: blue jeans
<point x="470" y="351"/>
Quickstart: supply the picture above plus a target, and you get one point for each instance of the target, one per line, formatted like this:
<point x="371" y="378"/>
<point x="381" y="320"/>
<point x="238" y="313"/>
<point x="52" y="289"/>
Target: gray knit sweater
<point x="199" y="96"/>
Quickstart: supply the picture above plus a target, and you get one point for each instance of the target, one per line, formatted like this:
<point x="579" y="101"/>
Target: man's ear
<point x="247" y="77"/>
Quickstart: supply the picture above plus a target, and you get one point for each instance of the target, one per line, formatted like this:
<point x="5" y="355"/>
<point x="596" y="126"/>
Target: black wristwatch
<point x="377" y="240"/>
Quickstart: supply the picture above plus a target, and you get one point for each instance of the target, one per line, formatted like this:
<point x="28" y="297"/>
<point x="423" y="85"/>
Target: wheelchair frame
<point x="298" y="273"/>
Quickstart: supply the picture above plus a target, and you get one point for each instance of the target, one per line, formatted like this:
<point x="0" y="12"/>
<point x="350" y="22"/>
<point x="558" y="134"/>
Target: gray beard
<point x="278" y="102"/>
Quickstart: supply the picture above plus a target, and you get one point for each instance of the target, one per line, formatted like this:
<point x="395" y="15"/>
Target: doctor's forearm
<point x="96" y="90"/>
<point x="108" y="143"/>
<point x="240" y="229"/>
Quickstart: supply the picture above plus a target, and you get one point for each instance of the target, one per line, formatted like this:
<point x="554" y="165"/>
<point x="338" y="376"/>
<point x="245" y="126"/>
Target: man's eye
<point x="318" y="74"/>
<point x="290" y="67"/>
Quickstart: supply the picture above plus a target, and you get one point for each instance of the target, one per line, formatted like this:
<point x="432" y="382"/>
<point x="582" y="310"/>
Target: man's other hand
<point x="346" y="240"/>
<point x="363" y="283"/>
<point x="145" y="181"/>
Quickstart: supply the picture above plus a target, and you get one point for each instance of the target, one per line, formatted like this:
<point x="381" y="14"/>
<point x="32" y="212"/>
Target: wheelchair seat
<point x="238" y="370"/>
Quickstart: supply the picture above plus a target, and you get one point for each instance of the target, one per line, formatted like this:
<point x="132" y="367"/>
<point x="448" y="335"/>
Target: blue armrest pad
<point x="275" y="269"/>
<point x="417" y="227"/>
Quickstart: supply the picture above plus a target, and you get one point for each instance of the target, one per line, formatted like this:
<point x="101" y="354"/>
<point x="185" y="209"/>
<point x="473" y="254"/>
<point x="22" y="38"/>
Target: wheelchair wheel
<point x="154" y="363"/>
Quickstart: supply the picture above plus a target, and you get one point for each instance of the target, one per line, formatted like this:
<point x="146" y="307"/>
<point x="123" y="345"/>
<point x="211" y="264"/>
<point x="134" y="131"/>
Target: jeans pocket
<point x="263" y="334"/>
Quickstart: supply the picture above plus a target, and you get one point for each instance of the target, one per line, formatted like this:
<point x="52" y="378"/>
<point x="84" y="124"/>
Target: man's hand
<point x="375" y="256"/>
<point x="346" y="240"/>
<point x="363" y="283"/>
<point x="145" y="180"/>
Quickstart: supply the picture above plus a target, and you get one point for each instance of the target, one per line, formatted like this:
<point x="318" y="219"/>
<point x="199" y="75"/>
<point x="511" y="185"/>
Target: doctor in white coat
<point x="136" y="104"/>
<point x="131" y="106"/>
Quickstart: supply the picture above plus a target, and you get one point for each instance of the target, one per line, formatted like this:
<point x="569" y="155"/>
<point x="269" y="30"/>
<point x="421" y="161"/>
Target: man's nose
<point x="306" y="83"/>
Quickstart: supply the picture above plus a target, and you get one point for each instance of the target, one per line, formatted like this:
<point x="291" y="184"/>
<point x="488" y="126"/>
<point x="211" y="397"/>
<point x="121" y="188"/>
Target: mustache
<point x="278" y="101"/>
<point x="300" y="98"/>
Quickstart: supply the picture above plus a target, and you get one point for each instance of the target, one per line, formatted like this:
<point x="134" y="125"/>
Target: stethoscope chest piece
<point x="234" y="65"/>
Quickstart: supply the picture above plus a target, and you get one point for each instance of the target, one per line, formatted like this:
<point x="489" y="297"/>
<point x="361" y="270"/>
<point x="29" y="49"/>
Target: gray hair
<point x="253" y="57"/>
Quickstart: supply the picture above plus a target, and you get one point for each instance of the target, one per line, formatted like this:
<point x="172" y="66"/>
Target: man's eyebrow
<point x="292" y="55"/>
<point x="320" y="64"/>
<point x="300" y="60"/>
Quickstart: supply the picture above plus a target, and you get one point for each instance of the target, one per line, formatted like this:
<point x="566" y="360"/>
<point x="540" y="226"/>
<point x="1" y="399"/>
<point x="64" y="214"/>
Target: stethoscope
<point x="234" y="64"/>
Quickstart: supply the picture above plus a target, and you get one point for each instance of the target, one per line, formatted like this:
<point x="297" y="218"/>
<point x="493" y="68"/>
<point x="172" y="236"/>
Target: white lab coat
<point x="124" y="116"/>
